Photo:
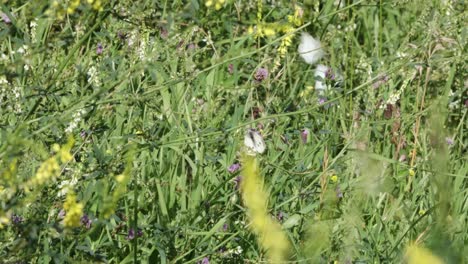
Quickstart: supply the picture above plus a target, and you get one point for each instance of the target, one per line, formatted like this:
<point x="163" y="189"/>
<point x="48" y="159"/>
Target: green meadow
<point x="208" y="131"/>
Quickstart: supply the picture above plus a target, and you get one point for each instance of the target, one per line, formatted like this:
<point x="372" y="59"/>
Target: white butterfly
<point x="254" y="141"/>
<point x="310" y="49"/>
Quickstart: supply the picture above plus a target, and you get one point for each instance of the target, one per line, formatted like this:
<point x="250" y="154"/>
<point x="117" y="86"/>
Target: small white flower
<point x="238" y="250"/>
<point x="3" y="57"/>
<point x="77" y="117"/>
<point x="320" y="74"/>
<point x="93" y="76"/>
<point x="310" y="49"/>
<point x="3" y="80"/>
<point x="65" y="186"/>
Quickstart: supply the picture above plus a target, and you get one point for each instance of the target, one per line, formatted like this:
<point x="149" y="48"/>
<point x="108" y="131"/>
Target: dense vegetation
<point x="122" y="129"/>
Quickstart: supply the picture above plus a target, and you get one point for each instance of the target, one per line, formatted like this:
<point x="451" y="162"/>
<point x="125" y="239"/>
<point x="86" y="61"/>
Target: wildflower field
<point x="231" y="131"/>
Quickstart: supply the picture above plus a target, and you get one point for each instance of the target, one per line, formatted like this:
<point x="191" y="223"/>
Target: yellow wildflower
<point x="216" y="3"/>
<point x="72" y="6"/>
<point x="73" y="210"/>
<point x="48" y="169"/>
<point x="334" y="178"/>
<point x="286" y="41"/>
<point x="296" y="19"/>
<point x="9" y="173"/>
<point x="4" y="219"/>
<point x="97" y="5"/>
<point x="51" y="168"/>
<point x="269" y="31"/>
<point x="307" y="91"/>
<point x="411" y="172"/>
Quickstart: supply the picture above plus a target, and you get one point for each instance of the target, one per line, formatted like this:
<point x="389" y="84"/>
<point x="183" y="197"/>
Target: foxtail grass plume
<point x="419" y="255"/>
<point x="310" y="49"/>
<point x="270" y="236"/>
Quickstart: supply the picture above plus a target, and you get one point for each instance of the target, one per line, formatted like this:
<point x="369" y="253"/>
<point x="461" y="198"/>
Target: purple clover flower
<point x="139" y="233"/>
<point x="449" y="141"/>
<point x="5" y="18"/>
<point x="163" y="33"/>
<point x="234" y="167"/>
<point x="380" y="81"/>
<point x="225" y="227"/>
<point x="237" y="182"/>
<point x="85" y="221"/>
<point x="339" y="193"/>
<point x="191" y="46"/>
<point x="205" y="260"/>
<point x="231" y="68"/>
<point x="131" y="234"/>
<point x="17" y="219"/>
<point x="261" y="74"/>
<point x="402" y="158"/>
<point x="304" y="135"/>
<point x="329" y="74"/>
<point x="83" y="134"/>
<point x="61" y="214"/>
<point x="280" y="216"/>
<point x="99" y="49"/>
<point x="322" y="100"/>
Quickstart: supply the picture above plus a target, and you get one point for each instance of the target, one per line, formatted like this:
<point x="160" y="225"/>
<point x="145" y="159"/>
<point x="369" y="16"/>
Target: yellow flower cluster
<point x="51" y="167"/>
<point x="110" y="201"/>
<point x="308" y="90"/>
<point x="96" y="4"/>
<point x="4" y="219"/>
<point x="286" y="41"/>
<point x="270" y="29"/>
<point x="72" y="6"/>
<point x="7" y="175"/>
<point x="262" y="30"/>
<point x="216" y="3"/>
<point x="296" y="19"/>
<point x="48" y="169"/>
<point x="73" y="211"/>
<point x="59" y="8"/>
<point x="270" y="235"/>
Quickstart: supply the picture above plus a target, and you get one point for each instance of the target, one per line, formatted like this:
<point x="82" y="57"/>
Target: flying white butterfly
<point x="254" y="141"/>
<point x="310" y="49"/>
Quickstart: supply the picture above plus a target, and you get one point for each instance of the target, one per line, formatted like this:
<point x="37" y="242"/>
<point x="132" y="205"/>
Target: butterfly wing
<point x="254" y="141"/>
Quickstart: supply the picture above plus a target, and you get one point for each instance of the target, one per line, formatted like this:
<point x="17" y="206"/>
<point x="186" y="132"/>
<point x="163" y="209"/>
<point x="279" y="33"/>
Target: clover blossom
<point x="261" y="74"/>
<point x="5" y="18"/>
<point x="304" y="135"/>
<point x="234" y="167"/>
